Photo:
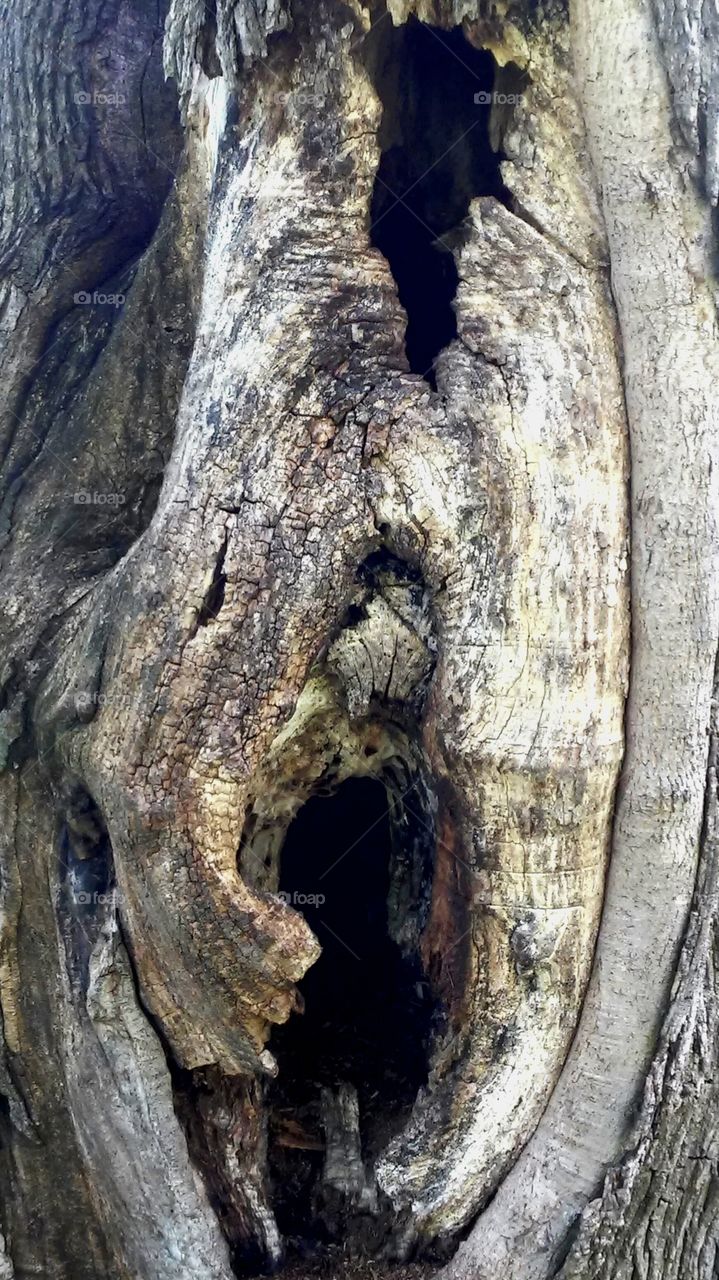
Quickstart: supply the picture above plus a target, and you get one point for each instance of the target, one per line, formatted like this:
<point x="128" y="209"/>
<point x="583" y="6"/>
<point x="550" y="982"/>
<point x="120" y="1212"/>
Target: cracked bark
<point x="258" y="560"/>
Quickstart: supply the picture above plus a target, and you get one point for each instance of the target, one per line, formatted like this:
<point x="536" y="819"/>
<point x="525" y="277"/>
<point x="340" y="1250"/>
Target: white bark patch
<point x="659" y="237"/>
<point x="129" y="1134"/>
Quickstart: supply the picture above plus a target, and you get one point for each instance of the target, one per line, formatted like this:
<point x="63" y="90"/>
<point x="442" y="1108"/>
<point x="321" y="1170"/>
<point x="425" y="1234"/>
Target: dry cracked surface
<point x="371" y="559"/>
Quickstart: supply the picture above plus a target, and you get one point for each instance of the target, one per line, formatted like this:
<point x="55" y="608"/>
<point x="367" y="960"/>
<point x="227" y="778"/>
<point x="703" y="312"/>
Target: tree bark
<point x="327" y="429"/>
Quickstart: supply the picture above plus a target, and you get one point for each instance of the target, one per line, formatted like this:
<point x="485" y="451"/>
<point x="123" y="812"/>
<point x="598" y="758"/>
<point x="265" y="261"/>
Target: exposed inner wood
<point x="347" y="590"/>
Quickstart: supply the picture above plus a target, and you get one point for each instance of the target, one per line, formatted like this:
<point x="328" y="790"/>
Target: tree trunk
<point x="359" y="857"/>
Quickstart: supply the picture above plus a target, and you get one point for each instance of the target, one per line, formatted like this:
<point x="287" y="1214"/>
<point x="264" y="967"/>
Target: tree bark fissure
<point x="321" y="523"/>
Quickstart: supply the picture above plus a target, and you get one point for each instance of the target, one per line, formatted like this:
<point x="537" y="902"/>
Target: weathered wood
<point x="653" y="216"/>
<point x="658" y="1212"/>
<point x="318" y="565"/>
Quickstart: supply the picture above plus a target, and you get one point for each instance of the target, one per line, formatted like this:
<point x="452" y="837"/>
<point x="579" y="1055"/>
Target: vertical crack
<point x="437" y="155"/>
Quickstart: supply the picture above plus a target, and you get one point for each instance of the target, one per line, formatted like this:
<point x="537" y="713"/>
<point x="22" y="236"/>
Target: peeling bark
<point x="293" y="525"/>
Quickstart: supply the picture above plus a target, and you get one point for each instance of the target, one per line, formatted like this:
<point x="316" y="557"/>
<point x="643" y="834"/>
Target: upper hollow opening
<point x="215" y="594"/>
<point x="436" y="90"/>
<point x="86" y="879"/>
<point x="358" y="864"/>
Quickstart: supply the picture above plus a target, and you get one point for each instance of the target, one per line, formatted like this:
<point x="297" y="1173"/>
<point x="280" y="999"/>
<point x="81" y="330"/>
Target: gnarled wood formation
<point x="350" y="570"/>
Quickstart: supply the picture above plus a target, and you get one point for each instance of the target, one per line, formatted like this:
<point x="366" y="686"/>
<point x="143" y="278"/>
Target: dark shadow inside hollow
<point x="86" y="880"/>
<point x="368" y="1007"/>
<point x="436" y="90"/>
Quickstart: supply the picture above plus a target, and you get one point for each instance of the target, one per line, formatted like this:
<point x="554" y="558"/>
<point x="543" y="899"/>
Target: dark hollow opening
<point x="86" y="880"/>
<point x="215" y="595"/>
<point x="436" y="92"/>
<point x="367" y="1012"/>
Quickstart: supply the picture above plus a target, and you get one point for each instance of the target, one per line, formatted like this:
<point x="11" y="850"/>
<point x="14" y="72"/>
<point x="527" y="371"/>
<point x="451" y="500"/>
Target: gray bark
<point x="660" y="244"/>
<point x="251" y="554"/>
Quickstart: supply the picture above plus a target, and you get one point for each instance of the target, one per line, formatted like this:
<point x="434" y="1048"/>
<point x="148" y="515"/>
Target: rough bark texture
<point x="254" y="554"/>
<point x="653" y="215"/>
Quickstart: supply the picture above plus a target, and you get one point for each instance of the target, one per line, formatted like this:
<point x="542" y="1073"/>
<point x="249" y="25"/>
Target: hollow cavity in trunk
<point x="351" y="1064"/>
<point x="436" y="90"/>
